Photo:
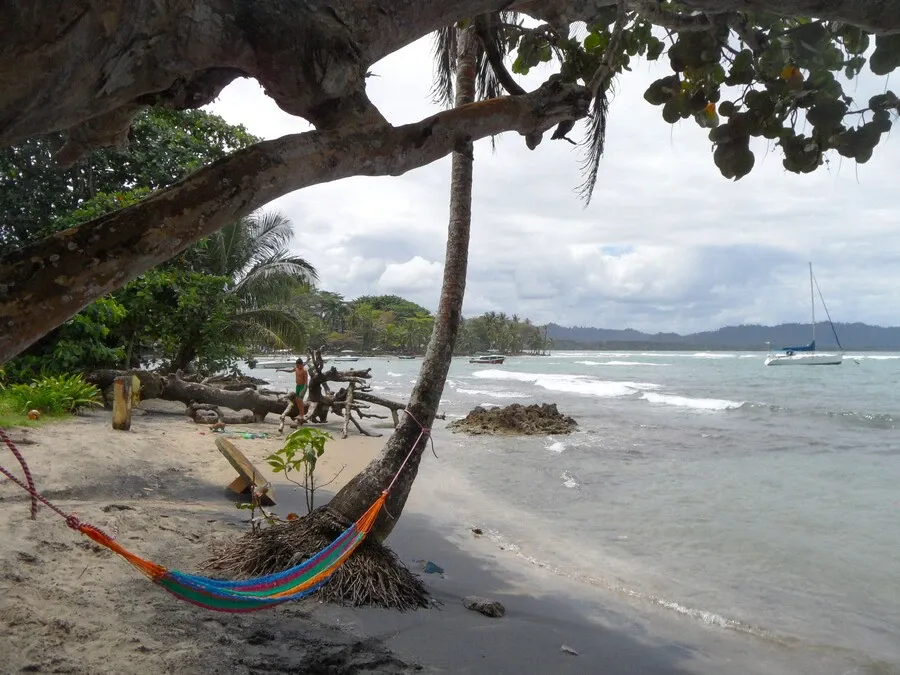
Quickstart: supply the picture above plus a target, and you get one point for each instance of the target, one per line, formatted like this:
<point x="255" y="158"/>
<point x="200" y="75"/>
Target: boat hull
<point x="275" y="365"/>
<point x="804" y="359"/>
<point x="496" y="361"/>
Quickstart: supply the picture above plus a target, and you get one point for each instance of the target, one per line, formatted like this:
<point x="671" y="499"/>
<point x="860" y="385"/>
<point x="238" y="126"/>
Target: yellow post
<point x="135" y="391"/>
<point x="121" y="413"/>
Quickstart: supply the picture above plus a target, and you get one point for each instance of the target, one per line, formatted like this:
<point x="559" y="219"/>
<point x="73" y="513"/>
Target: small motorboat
<point x="405" y="357"/>
<point x="489" y="359"/>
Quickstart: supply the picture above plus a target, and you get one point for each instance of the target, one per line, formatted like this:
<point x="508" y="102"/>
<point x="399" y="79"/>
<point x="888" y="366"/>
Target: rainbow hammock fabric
<point x="250" y="595"/>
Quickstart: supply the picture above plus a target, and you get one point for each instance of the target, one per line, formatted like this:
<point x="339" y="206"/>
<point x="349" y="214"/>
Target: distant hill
<point x="853" y="336"/>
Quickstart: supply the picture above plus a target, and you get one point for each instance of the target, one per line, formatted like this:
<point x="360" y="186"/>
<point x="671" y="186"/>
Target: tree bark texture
<point x="407" y="438"/>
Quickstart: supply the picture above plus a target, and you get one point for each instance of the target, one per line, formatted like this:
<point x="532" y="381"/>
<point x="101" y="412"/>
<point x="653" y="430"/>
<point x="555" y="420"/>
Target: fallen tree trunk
<point x="174" y="388"/>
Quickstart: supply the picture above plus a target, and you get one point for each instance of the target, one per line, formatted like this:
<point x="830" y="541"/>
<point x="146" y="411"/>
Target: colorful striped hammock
<point x="248" y="595"/>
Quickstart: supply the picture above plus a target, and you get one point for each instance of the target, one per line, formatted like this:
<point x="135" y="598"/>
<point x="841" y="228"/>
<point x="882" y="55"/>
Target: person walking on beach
<point x="301" y="378"/>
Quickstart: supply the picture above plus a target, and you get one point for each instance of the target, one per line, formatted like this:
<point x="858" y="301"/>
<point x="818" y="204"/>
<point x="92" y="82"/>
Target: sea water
<point x="759" y="499"/>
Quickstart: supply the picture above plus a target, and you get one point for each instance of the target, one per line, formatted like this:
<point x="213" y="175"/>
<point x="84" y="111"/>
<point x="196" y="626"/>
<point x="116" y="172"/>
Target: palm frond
<point x="271" y="326"/>
<point x="600" y="84"/>
<point x="487" y="85"/>
<point x="267" y="234"/>
<point x="275" y="278"/>
<point x="595" y="143"/>
<point x="444" y="51"/>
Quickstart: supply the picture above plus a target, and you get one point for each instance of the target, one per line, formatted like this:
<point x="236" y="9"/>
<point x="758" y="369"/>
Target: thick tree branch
<point x="46" y="283"/>
<point x="87" y="66"/>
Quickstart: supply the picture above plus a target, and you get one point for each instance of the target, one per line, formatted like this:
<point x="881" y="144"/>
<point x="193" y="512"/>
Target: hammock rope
<point x="241" y="596"/>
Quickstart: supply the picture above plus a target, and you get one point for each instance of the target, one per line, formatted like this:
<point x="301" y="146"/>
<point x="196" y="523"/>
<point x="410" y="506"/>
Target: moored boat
<point x="807" y="355"/>
<point x="491" y="359"/>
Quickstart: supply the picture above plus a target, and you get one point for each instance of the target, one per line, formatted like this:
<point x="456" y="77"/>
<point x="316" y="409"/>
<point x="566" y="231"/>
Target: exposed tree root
<point x="373" y="575"/>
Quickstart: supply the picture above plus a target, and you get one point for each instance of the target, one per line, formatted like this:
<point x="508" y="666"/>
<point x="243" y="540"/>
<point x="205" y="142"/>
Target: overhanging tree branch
<point x="46" y="283"/>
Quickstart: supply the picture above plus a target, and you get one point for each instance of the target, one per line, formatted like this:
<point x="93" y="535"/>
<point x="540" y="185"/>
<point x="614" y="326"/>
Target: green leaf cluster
<point x="51" y="395"/>
<point x="742" y="76"/>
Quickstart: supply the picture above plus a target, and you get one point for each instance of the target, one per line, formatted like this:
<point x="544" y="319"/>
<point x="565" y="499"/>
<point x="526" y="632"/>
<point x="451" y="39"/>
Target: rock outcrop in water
<point x="514" y="420"/>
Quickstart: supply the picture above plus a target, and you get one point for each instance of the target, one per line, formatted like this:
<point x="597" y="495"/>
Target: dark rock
<point x="490" y="608"/>
<point x="477" y="531"/>
<point x="117" y="507"/>
<point x="516" y="419"/>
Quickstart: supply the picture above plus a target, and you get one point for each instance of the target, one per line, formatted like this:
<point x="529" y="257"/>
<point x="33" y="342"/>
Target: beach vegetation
<point x="298" y="457"/>
<point x="50" y="395"/>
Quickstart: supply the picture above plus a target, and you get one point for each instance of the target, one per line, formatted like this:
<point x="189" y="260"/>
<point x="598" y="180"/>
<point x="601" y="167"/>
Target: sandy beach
<point x="67" y="605"/>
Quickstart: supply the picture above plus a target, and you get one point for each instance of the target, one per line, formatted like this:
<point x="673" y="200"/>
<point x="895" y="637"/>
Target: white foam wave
<point x="875" y="357"/>
<point x="573" y="384"/>
<point x="492" y="394"/>
<point x="568" y="481"/>
<point x="555" y="446"/>
<point x="693" y="403"/>
<point x="710" y="355"/>
<point x="620" y="363"/>
<point x="391" y="374"/>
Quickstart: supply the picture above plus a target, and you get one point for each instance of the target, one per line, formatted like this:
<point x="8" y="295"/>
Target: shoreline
<point x="162" y="486"/>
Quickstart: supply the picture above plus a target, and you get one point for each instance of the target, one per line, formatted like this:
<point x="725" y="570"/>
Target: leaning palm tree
<point x="253" y="254"/>
<point x="372" y="574"/>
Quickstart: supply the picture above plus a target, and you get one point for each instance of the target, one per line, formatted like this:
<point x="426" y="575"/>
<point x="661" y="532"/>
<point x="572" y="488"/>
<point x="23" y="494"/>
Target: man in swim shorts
<point x="301" y="378"/>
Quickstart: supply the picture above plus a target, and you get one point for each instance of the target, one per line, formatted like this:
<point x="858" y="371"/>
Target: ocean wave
<point x="568" y="481"/>
<point x="390" y="374"/>
<point x="492" y="394"/>
<point x="555" y="446"/>
<point x="571" y="384"/>
<point x="620" y="363"/>
<point x="874" y="357"/>
<point x="713" y="355"/>
<point x="864" y="419"/>
<point x="693" y="403"/>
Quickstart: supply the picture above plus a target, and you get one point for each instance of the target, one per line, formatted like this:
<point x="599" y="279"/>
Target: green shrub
<point x="52" y="395"/>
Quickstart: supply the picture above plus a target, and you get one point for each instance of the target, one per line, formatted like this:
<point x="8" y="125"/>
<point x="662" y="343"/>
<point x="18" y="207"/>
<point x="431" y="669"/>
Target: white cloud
<point x="666" y="244"/>
<point x="411" y="278"/>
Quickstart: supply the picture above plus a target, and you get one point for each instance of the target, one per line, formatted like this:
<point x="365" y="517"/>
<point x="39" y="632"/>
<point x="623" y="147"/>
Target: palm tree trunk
<point x="365" y="488"/>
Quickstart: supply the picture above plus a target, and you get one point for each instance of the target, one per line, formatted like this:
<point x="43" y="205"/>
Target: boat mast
<point x="812" y="302"/>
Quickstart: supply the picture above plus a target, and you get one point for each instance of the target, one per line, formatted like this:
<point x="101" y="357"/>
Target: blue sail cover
<point x="811" y="347"/>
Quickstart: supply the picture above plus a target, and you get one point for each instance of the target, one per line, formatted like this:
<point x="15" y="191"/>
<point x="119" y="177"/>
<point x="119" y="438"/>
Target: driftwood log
<point x="198" y="396"/>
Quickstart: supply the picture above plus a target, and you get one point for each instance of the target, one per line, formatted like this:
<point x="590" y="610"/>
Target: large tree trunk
<point x="352" y="501"/>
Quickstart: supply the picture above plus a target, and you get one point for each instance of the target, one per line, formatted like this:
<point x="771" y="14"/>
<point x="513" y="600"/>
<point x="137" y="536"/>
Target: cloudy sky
<point x="666" y="244"/>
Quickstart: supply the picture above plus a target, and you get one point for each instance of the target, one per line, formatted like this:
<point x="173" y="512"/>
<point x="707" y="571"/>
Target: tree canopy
<point x="37" y="197"/>
<point x="781" y="70"/>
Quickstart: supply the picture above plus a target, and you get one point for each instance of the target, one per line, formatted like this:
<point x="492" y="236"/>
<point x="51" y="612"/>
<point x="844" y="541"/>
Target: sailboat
<point x="806" y="355"/>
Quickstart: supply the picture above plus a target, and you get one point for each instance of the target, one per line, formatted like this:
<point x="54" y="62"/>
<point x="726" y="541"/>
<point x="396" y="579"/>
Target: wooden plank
<point x="247" y="473"/>
<point x="121" y="413"/>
